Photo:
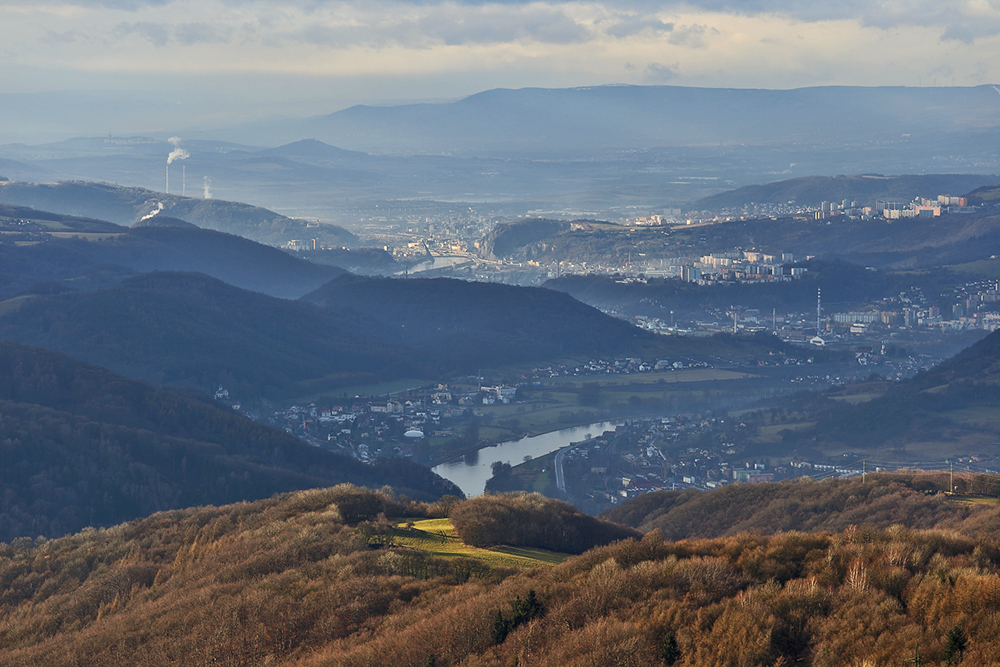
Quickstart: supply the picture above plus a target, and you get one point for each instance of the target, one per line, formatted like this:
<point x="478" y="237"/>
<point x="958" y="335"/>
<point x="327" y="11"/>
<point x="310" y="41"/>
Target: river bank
<point x="471" y="472"/>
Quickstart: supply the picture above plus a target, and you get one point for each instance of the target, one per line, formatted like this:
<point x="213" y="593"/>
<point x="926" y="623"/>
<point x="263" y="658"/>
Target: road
<point x="560" y="476"/>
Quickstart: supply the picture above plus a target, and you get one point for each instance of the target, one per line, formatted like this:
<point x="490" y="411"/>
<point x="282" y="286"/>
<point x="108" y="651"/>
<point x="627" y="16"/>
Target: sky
<point x="239" y="59"/>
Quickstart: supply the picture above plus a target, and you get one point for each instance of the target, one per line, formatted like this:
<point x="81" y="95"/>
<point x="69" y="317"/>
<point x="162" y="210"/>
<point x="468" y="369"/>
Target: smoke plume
<point x="178" y="153"/>
<point x="159" y="207"/>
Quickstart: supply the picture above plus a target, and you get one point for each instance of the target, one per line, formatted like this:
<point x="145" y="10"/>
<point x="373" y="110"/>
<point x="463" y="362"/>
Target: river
<point x="443" y="262"/>
<point x="471" y="472"/>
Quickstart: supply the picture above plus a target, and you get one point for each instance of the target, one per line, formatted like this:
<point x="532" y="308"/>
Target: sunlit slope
<point x="306" y="579"/>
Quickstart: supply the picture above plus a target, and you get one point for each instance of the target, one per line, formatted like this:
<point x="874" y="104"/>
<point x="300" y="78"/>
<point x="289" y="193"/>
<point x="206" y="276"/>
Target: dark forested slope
<point x="90" y="264"/>
<point x="127" y="205"/>
<point x="185" y="328"/>
<point x="803" y="505"/>
<point x="82" y="446"/>
<point x="462" y="325"/>
<point x="865" y="189"/>
<point x="847" y="285"/>
<point x="952" y="404"/>
<point x="467" y="323"/>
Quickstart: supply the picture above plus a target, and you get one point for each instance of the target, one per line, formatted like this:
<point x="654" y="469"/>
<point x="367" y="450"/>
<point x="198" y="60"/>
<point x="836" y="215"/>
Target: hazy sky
<point x="257" y="55"/>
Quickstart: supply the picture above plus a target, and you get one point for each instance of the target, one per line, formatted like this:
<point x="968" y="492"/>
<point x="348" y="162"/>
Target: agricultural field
<point x="439" y="538"/>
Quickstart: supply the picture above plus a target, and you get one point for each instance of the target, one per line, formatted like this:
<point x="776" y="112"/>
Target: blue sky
<point x="249" y="58"/>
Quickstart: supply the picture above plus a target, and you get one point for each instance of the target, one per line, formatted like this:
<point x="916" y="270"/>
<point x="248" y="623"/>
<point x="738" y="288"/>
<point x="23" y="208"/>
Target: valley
<point x="499" y="334"/>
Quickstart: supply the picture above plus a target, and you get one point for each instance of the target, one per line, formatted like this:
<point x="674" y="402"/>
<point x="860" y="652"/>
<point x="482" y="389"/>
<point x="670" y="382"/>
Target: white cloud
<point x="483" y="44"/>
<point x="657" y="73"/>
<point x="691" y="36"/>
<point x="157" y="34"/>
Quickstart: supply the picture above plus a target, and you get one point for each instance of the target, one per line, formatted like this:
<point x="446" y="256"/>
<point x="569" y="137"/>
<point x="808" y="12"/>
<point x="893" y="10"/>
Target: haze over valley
<point x="499" y="334"/>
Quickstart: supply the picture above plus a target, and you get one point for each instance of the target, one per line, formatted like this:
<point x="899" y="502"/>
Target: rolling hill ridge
<point x="122" y="252"/>
<point x="127" y="205"/>
<point x="85" y="447"/>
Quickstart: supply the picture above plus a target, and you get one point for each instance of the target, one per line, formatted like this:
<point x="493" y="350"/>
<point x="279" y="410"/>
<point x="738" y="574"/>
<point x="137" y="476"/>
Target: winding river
<point x="471" y="472"/>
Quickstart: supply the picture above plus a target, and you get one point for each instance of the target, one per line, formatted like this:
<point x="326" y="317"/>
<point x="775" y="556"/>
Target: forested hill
<point x="92" y="264"/>
<point x="190" y="329"/>
<point x="294" y="581"/>
<point x="27" y="219"/>
<point x="842" y="283"/>
<point x="82" y="446"/>
<point x="864" y="189"/>
<point x="977" y="365"/>
<point x="506" y="237"/>
<point x="127" y="205"/>
<point x="463" y="323"/>
<point x="804" y="505"/>
<point x="945" y="411"/>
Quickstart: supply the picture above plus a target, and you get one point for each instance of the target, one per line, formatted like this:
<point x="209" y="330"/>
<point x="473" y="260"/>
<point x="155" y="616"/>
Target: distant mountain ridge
<point x="127" y="205"/>
<point x="190" y="329"/>
<point x="47" y="221"/>
<point x="864" y="189"/>
<point x="95" y="264"/>
<point x="616" y="117"/>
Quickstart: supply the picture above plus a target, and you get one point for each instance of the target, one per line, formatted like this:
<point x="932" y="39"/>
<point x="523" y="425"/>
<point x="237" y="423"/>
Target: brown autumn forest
<point x="300" y="580"/>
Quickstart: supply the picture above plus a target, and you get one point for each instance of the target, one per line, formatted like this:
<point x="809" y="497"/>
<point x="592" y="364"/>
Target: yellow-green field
<point x="86" y="236"/>
<point x="377" y="389"/>
<point x="546" y="407"/>
<point x="772" y="432"/>
<point x="438" y="537"/>
<point x="855" y="399"/>
<point x="663" y="377"/>
<point x="983" y="268"/>
<point x="975" y="500"/>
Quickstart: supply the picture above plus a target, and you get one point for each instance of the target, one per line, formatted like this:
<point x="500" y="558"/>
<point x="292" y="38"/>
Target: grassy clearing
<point x="975" y="500"/>
<point x="376" y="389"/>
<point x="665" y="377"/>
<point x="438" y="537"/>
<point x="855" y="399"/>
<point x="772" y="432"/>
<point x="981" y="417"/>
<point x="86" y="236"/>
<point x="984" y="268"/>
<point x="555" y="403"/>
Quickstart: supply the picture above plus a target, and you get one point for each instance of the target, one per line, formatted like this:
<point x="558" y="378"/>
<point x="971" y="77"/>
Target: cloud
<point x="157" y="34"/>
<point x="961" y="21"/>
<point x="500" y="25"/>
<point x="200" y="33"/>
<point x="657" y="73"/>
<point x="67" y="37"/>
<point x="123" y="5"/>
<point x="958" y="20"/>
<point x="510" y="43"/>
<point x="627" y="25"/>
<point x="691" y="36"/>
<point x="450" y="25"/>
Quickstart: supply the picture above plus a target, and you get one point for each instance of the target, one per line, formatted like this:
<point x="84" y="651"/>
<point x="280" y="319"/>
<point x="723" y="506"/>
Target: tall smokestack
<point x="177" y="154"/>
<point x="183" y="181"/>
<point x="819" y="303"/>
